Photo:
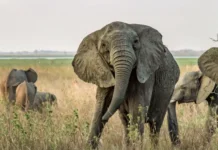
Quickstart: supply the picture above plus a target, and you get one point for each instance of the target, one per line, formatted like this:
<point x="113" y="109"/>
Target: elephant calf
<point x="25" y="94"/>
<point x="194" y="87"/>
<point x="42" y="98"/>
<point x="9" y="84"/>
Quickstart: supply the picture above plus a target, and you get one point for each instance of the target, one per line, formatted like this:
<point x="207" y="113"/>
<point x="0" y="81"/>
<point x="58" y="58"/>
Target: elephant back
<point x="16" y="77"/>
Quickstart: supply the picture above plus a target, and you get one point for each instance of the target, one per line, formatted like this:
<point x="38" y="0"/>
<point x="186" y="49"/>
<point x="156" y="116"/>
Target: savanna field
<point x="67" y="127"/>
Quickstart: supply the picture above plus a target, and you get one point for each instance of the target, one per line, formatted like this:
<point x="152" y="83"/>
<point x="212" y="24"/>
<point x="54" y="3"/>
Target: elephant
<point x="25" y="95"/>
<point x="43" y="97"/>
<point x="194" y="87"/>
<point x="13" y="79"/>
<point x="135" y="73"/>
<point x="207" y="63"/>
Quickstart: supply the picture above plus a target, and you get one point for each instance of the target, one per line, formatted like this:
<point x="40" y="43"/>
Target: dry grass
<point x="67" y="127"/>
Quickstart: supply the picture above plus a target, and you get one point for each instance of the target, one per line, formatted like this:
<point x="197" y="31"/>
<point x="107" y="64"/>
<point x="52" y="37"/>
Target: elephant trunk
<point x="173" y="124"/>
<point x="123" y="60"/>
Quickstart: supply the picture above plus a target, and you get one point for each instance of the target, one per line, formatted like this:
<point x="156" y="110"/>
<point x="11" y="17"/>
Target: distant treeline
<point x="187" y="52"/>
<point x="52" y="53"/>
<point x="38" y="53"/>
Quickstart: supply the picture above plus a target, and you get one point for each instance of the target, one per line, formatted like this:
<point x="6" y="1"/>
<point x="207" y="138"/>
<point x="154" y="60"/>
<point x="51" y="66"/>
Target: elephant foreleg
<point x="103" y="97"/>
<point x="212" y="122"/>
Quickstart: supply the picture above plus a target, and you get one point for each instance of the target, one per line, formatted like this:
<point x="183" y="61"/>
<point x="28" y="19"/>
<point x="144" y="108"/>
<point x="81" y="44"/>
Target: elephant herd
<point x="18" y="88"/>
<point x="135" y="74"/>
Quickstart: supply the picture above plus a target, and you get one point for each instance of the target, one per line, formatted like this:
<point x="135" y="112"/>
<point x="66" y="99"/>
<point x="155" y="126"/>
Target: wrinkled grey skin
<point x="132" y="68"/>
<point x="14" y="78"/>
<point x="186" y="91"/>
<point x="25" y="94"/>
<point x="208" y="63"/>
<point x="44" y="98"/>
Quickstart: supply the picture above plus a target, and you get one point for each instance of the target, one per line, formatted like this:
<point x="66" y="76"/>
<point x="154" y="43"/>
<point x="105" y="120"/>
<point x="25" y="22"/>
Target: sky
<point x="27" y="25"/>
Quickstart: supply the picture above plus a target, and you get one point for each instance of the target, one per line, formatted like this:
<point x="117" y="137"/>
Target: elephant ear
<point x="151" y="54"/>
<point x="89" y="65"/>
<point x="15" y="77"/>
<point x="53" y="97"/>
<point x="208" y="63"/>
<point x="207" y="86"/>
<point x="31" y="75"/>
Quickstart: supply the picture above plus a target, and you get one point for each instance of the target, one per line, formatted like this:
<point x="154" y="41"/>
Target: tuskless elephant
<point x="208" y="64"/>
<point x="43" y="98"/>
<point x="194" y="87"/>
<point x="13" y="79"/>
<point x="134" y="72"/>
<point x="25" y="95"/>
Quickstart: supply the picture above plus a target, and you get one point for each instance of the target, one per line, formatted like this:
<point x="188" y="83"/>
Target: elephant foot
<point x="176" y="142"/>
<point x="92" y="144"/>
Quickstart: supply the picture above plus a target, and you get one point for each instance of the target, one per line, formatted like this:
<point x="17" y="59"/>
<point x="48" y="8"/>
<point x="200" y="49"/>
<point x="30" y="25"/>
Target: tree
<point x="215" y="40"/>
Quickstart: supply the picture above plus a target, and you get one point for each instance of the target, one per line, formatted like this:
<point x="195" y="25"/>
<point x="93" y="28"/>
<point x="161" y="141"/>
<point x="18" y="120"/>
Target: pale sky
<point x="62" y="24"/>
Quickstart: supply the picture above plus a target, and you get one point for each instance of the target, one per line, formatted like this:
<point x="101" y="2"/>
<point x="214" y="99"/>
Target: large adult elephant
<point x="194" y="87"/>
<point x="13" y="79"/>
<point x="132" y="69"/>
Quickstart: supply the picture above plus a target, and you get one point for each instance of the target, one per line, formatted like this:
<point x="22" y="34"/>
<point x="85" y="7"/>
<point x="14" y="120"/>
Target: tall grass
<point x="67" y="127"/>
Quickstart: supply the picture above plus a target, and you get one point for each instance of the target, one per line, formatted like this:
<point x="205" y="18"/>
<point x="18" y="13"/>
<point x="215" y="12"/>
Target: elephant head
<point x="42" y="98"/>
<point x="107" y="57"/>
<point x="194" y="87"/>
<point x="25" y="95"/>
<point x="49" y="97"/>
<point x="16" y="77"/>
<point x="208" y="63"/>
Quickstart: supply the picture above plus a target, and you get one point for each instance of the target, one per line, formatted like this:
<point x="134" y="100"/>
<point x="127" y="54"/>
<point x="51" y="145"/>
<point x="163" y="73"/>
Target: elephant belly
<point x="138" y="97"/>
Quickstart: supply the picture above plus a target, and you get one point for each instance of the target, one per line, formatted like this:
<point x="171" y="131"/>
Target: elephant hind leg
<point x="157" y="110"/>
<point x="154" y="133"/>
<point x="133" y="129"/>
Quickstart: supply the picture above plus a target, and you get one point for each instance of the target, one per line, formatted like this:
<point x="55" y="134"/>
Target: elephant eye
<point x="136" y="44"/>
<point x="103" y="45"/>
<point x="136" y="41"/>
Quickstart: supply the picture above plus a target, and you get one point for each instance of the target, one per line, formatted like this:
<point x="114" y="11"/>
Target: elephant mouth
<point x="134" y="66"/>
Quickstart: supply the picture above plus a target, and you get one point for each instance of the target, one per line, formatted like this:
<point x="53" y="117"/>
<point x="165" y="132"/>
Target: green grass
<point x="34" y="62"/>
<point x="187" y="61"/>
<point x="65" y="62"/>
